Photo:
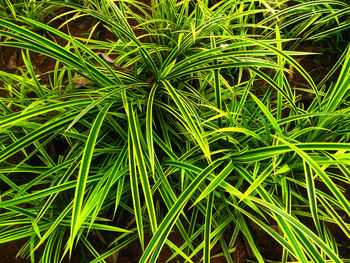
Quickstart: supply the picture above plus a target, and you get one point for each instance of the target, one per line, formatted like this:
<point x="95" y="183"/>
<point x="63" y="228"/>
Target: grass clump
<point x="186" y="122"/>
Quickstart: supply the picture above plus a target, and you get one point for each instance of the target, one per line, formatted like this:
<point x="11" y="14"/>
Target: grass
<point x="172" y="131"/>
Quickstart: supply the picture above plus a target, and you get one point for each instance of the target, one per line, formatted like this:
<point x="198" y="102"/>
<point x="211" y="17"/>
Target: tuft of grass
<point x="168" y="128"/>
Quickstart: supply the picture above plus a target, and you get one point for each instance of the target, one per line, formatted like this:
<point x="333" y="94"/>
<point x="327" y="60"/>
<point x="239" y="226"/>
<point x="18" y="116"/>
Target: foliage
<point x="173" y="127"/>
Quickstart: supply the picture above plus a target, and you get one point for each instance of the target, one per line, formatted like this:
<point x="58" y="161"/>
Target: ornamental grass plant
<point x="186" y="122"/>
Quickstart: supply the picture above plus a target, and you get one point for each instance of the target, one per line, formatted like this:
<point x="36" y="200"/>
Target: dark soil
<point x="8" y="252"/>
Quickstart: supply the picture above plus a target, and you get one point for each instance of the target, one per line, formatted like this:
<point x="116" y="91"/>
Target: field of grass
<point x="188" y="130"/>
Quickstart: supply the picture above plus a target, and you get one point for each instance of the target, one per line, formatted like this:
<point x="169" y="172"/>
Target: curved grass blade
<point x="84" y="171"/>
<point x="187" y="119"/>
<point x="164" y="229"/>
